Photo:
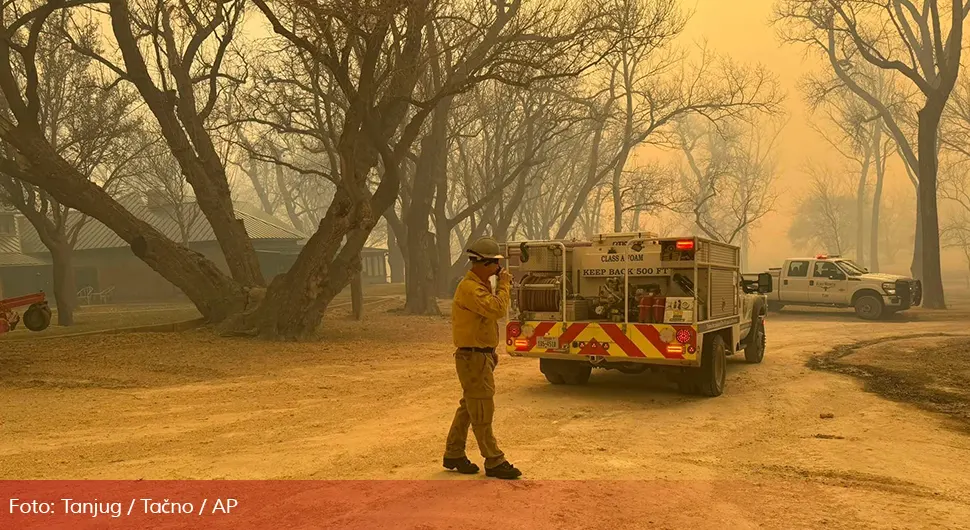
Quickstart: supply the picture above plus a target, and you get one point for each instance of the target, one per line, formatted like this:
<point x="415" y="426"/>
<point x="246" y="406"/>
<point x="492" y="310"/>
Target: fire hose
<point x="541" y="299"/>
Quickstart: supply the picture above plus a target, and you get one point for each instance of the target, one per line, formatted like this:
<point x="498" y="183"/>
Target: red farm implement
<point x="36" y="318"/>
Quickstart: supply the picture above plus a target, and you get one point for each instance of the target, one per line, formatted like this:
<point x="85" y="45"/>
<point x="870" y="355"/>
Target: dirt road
<point x="374" y="400"/>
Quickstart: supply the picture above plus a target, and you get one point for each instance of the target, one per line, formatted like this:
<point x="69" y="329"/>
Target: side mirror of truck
<point x="764" y="283"/>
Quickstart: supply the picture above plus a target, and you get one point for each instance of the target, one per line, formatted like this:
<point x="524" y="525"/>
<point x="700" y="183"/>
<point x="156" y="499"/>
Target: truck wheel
<point x="754" y="351"/>
<point x="578" y="375"/>
<point x="549" y="368"/>
<point x="775" y="306"/>
<point x="37" y="317"/>
<point x="868" y="307"/>
<point x="712" y="374"/>
<point x="686" y="386"/>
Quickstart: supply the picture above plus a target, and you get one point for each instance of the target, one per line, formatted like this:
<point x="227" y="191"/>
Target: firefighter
<point x="475" y="313"/>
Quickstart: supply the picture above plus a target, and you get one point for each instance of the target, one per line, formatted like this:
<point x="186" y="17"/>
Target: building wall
<point x="134" y="281"/>
<point x="374" y="266"/>
<point x="19" y="281"/>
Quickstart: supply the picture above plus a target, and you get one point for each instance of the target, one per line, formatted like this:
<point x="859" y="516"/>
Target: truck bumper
<point x="895" y="302"/>
<point x="909" y="293"/>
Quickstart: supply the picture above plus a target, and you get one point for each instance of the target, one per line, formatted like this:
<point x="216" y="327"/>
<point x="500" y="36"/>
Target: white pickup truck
<point x="836" y="282"/>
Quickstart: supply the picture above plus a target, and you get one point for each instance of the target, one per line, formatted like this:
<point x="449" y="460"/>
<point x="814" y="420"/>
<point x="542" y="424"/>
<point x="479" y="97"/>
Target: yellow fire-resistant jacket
<point x="475" y="312"/>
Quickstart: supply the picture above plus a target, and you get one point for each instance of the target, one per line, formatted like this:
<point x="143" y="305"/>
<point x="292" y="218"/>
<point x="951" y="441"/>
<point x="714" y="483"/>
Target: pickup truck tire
<point x="775" y="306"/>
<point x="869" y="307"/>
<point x="754" y="350"/>
<point x="712" y="374"/>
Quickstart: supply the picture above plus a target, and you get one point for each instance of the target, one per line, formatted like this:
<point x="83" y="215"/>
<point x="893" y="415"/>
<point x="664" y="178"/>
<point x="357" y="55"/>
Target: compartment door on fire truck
<point x="795" y="283"/>
<point x="827" y="285"/>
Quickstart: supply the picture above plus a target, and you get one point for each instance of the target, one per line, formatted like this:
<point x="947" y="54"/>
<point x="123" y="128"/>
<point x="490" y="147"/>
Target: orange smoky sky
<point x="742" y="29"/>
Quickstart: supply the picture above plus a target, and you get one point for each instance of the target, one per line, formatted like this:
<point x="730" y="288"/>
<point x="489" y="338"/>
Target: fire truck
<point x="635" y="302"/>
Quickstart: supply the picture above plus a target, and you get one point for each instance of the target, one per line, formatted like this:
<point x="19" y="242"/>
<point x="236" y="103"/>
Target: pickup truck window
<point x="798" y="269"/>
<point x="824" y="269"/>
<point x="851" y="268"/>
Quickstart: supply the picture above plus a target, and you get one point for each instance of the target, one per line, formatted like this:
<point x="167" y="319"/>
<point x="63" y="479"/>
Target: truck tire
<point x="869" y="307"/>
<point x="578" y="375"/>
<point x="775" y="306"/>
<point x="712" y="374"/>
<point x="550" y="370"/>
<point x="754" y="350"/>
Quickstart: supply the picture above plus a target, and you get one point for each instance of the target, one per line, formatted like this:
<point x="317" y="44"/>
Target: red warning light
<point x="685" y="244"/>
<point x="514" y="329"/>
<point x="683" y="335"/>
<point x="821" y="256"/>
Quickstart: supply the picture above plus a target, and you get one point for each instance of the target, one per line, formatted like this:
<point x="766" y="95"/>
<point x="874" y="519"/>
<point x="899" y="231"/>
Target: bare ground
<point x="374" y="400"/>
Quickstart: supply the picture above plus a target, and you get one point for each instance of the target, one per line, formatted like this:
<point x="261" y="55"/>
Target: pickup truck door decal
<point x="823" y="289"/>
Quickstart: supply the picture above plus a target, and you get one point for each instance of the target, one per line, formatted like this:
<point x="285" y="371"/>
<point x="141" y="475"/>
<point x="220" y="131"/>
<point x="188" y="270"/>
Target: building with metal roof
<point x="102" y="261"/>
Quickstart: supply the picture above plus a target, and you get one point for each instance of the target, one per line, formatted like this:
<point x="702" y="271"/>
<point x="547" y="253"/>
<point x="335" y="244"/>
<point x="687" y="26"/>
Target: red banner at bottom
<point x="458" y="504"/>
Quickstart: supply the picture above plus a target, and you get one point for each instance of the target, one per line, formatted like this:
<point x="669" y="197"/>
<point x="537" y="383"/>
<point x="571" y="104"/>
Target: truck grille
<point x="910" y="292"/>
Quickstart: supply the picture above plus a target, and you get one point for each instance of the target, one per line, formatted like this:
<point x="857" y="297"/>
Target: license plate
<point x="549" y="343"/>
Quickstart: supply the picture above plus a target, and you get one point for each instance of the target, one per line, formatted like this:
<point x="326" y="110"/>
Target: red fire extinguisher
<point x="659" y="308"/>
<point x="646" y="306"/>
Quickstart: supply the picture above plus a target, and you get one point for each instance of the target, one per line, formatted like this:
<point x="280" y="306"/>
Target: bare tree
<point x="861" y="137"/>
<point x="894" y="223"/>
<point x="515" y="43"/>
<point x="729" y="171"/>
<point x="39" y="163"/>
<point x="506" y="139"/>
<point x="181" y="78"/>
<point x="824" y="218"/>
<point x="89" y="126"/>
<point x="160" y="179"/>
<point x="914" y="45"/>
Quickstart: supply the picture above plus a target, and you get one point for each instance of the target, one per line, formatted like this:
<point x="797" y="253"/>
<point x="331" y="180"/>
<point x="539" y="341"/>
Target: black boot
<point x="504" y="470"/>
<point x="463" y="465"/>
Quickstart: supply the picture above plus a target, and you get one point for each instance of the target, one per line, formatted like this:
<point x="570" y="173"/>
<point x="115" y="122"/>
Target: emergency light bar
<point x="685" y="244"/>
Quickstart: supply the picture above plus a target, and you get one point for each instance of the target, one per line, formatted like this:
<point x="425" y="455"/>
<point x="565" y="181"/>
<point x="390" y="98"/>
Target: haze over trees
<point x="423" y="124"/>
<point x="918" y="47"/>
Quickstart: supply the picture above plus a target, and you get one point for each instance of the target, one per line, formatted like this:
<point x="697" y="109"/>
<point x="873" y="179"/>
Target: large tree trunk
<point x="294" y="303"/>
<point x="65" y="288"/>
<point x="588" y="185"/>
<point x="443" y="228"/>
<point x="357" y="296"/>
<point x="916" y="267"/>
<point x="876" y="199"/>
<point x="929" y="122"/>
<point x="618" y="192"/>
<point x="215" y="295"/>
<point x="423" y="283"/>
<point x="395" y="255"/>
<point x="860" y="205"/>
<point x="178" y="121"/>
<point x="443" y="257"/>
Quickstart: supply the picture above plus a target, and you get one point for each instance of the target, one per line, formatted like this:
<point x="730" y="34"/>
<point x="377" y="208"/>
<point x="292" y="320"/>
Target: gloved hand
<point x="504" y="276"/>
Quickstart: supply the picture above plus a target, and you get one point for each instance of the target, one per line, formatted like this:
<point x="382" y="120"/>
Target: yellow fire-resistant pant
<point x="476" y="408"/>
